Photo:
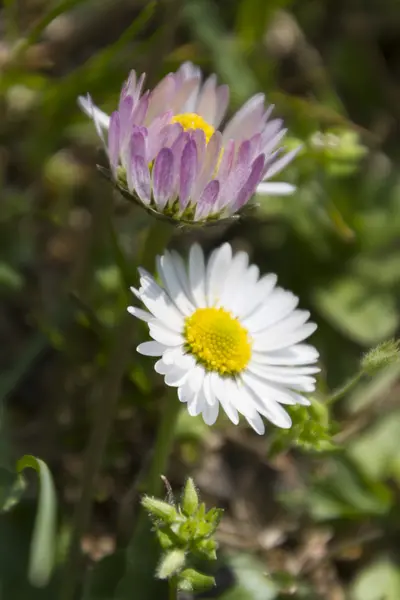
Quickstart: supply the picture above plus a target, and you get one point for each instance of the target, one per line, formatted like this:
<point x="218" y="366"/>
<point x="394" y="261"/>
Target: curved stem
<point x="344" y="389"/>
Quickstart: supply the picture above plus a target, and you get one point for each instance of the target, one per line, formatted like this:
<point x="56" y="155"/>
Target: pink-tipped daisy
<point x="166" y="150"/>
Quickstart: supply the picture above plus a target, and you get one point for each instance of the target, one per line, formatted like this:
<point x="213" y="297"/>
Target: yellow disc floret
<point x="217" y="341"/>
<point x="191" y="121"/>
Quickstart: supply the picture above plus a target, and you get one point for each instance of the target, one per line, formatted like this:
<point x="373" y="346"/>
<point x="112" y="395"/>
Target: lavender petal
<point x="247" y="121"/>
<point x="207" y="201"/>
<point x="281" y="163"/>
<point x="140" y="110"/>
<point x="139" y="179"/>
<point x="250" y="186"/>
<point x="188" y="172"/>
<point x="163" y="177"/>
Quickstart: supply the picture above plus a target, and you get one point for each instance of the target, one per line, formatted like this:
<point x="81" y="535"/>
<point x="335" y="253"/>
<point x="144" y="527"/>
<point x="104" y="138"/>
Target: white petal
<point x="280" y="375"/>
<point x="278" y="305"/>
<point x="261" y="291"/>
<point x="248" y="287"/>
<point x="269" y="391"/>
<point x="143" y="315"/>
<point x="165" y="336"/>
<point x="233" y="282"/>
<point x="151" y="349"/>
<point x="276" y="188"/>
<point x="161" y="368"/>
<point x="93" y="111"/>
<point x="182" y="273"/>
<point x="176" y="377"/>
<point x="197" y="275"/>
<point x="266" y="370"/>
<point x="222" y="393"/>
<point x="171" y="281"/>
<point x="208" y="390"/>
<point x="217" y="268"/>
<point x="256" y="422"/>
<point x="300" y="354"/>
<point x="210" y="413"/>
<point x="270" y="409"/>
<point x="197" y="403"/>
<point x="282" y="335"/>
<point x="158" y="303"/>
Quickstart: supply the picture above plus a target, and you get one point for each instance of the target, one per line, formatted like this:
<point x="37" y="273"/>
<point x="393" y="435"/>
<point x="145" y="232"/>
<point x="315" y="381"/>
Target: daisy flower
<point x="227" y="337"/>
<point x="167" y="153"/>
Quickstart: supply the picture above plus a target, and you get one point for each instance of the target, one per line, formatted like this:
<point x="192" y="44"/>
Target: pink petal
<point x="207" y="102"/>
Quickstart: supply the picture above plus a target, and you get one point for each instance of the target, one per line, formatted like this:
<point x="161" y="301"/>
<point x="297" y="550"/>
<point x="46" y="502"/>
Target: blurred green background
<point x="304" y="518"/>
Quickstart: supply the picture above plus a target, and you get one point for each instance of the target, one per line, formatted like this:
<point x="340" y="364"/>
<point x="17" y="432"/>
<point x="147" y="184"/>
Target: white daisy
<point x="225" y="336"/>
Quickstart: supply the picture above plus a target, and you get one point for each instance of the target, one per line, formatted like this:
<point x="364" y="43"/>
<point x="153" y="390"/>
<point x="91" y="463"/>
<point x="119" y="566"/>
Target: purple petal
<point x="210" y="163"/>
<point x="222" y="104"/>
<point x="156" y="134"/>
<point x="250" y="186"/>
<point x="140" y="110"/>
<point x="113" y="141"/>
<point x="179" y="144"/>
<point x="125" y="114"/>
<point x="243" y="156"/>
<point x="281" y="163"/>
<point x="163" y="177"/>
<point x="188" y="172"/>
<point x="226" y="161"/>
<point x="128" y="89"/>
<point x="255" y="146"/>
<point x="207" y="201"/>
<point x="139" y="179"/>
<point x="137" y="144"/>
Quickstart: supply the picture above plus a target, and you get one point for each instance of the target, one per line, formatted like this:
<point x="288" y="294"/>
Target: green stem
<point x="143" y="550"/>
<point x="344" y="389"/>
<point x="172" y="588"/>
<point x="119" y="358"/>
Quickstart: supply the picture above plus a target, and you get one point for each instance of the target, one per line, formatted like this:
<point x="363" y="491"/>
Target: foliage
<point x="331" y="70"/>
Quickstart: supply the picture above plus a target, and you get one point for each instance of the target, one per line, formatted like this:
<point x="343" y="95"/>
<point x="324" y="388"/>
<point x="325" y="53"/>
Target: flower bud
<point x="171" y="563"/>
<point x="191" y="580"/>
<point x="159" y="509"/>
<point x="190" y="498"/>
<point x="382" y="356"/>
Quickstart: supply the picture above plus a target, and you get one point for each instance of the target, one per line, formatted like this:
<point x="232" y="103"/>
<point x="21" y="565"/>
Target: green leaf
<point x="365" y="316"/>
<point x="379" y="581"/>
<point x="377" y="451"/>
<point x="11" y="489"/>
<point x="253" y="583"/>
<point x="347" y="493"/>
<point x="42" y="550"/>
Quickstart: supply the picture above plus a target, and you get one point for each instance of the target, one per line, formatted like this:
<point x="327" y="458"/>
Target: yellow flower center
<point x="217" y="340"/>
<point x="191" y="121"/>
